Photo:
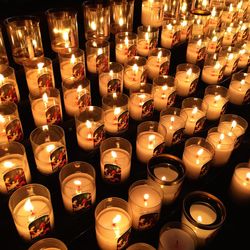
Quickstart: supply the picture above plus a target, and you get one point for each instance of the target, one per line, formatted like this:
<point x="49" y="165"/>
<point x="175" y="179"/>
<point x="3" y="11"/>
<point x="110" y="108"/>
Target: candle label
<point x="221" y="73"/>
<point x="14" y="179"/>
<point x="53" y="114"/>
<point x="189" y="29"/>
<point x="143" y="76"/>
<point x="176" y="38"/>
<point x="99" y="135"/>
<point x="58" y="158"/>
<point x="199" y="124"/>
<point x="246" y="97"/>
<point x="14" y="130"/>
<point x="193" y="86"/>
<point x="112" y="173"/>
<point x="102" y="63"/>
<point x="178" y="136"/>
<point x="148" y="221"/>
<point x="238" y="141"/>
<point x="123" y="240"/>
<point x="147" y="108"/>
<point x="123" y="120"/>
<point x="45" y="81"/>
<point x="219" y="44"/>
<point x="164" y="68"/>
<point x="204" y="169"/>
<point x="234" y="38"/>
<point x="78" y="70"/>
<point x="8" y="93"/>
<point x="235" y="65"/>
<point x="171" y="99"/>
<point x="223" y="109"/>
<point x="153" y="43"/>
<point x="131" y="51"/>
<point x="39" y="227"/>
<point x="159" y="149"/>
<point x="201" y="54"/>
<point x="81" y="201"/>
<point x="83" y="101"/>
<point x="114" y="85"/>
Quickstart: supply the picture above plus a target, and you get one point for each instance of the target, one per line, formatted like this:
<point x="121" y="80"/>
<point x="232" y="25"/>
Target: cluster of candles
<point x="224" y="49"/>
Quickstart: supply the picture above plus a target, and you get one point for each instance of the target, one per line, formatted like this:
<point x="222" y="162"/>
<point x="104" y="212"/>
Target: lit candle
<point x="213" y="74"/>
<point x="229" y="36"/>
<point x="231" y="61"/>
<point x="243" y="57"/>
<point x="133" y="76"/>
<point x="144" y="45"/>
<point x="185" y="28"/>
<point x="8" y="89"/>
<point x="170" y="36"/>
<point x="229" y="15"/>
<point x="139" y="246"/>
<point x="195" y="51"/>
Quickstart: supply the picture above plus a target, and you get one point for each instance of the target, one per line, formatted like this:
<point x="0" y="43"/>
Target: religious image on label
<point x="153" y="43"/>
<point x="112" y="173"/>
<point x="147" y="108"/>
<point x="14" y="179"/>
<point x="159" y="149"/>
<point x="164" y="68"/>
<point x="53" y="114"/>
<point x="45" y="81"/>
<point x="81" y="201"/>
<point x="177" y="136"/>
<point x="114" y="86"/>
<point x="78" y="71"/>
<point x="199" y="124"/>
<point x="171" y="99"/>
<point x="84" y="101"/>
<point x="123" y="121"/>
<point x="123" y="240"/>
<point x="14" y="130"/>
<point x="58" y="158"/>
<point x="8" y="93"/>
<point x="99" y="135"/>
<point x="102" y="63"/>
<point x="131" y="51"/>
<point x="148" y="221"/>
<point x="40" y="227"/>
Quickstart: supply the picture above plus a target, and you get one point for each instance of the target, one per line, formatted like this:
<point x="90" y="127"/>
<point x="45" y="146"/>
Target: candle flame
<point x="73" y="59"/>
<point x="135" y="68"/>
<point x="50" y="148"/>
<point x="77" y="182"/>
<point x="93" y="25"/>
<point x="151" y="140"/>
<point x="45" y="98"/>
<point x="234" y="123"/>
<point x="28" y="206"/>
<point x="163" y="178"/>
<point x="172" y="119"/>
<point x="239" y="5"/>
<point x="242" y="51"/>
<point x="2" y="119"/>
<point x="88" y="124"/>
<point x="116" y="219"/>
<point x="214" y="39"/>
<point x="159" y="55"/>
<point x="242" y="82"/>
<point x="248" y="176"/>
<point x="200" y="152"/>
<point x="217" y="65"/>
<point x="146" y="36"/>
<point x="184" y="7"/>
<point x="169" y="26"/>
<point x="40" y="66"/>
<point x="230" y="56"/>
<point x="231" y="7"/>
<point x="121" y="21"/>
<point x="8" y="164"/>
<point x="117" y="111"/>
<point x="113" y="154"/>
<point x="184" y="23"/>
<point x="146" y="197"/>
<point x="217" y="98"/>
<point x="1" y="78"/>
<point x="199" y="218"/>
<point x="204" y="3"/>
<point x="189" y="72"/>
<point x="66" y="36"/>
<point x="126" y="41"/>
<point x="45" y="127"/>
<point x="213" y="12"/>
<point x="165" y="87"/>
<point x="222" y="136"/>
<point x="99" y="51"/>
<point x="199" y="42"/>
<point x="34" y="42"/>
<point x="79" y="89"/>
<point x="195" y="110"/>
<point x="111" y="73"/>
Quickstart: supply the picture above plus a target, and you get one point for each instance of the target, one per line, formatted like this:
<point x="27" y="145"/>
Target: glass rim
<point x="244" y="165"/>
<point x="89" y="109"/>
<point x="45" y="240"/>
<point x="145" y="29"/>
<point x="29" y="62"/>
<point x="20" y="146"/>
<point x="17" y="18"/>
<point x="47" y="91"/>
<point x="116" y="139"/>
<point x="91" y="4"/>
<point x="60" y="10"/>
<point x="100" y="40"/>
<point x="12" y="105"/>
<point x="200" y="141"/>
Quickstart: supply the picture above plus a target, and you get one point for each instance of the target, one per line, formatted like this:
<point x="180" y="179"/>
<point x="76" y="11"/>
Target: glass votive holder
<point x="10" y="123"/>
<point x="135" y="73"/>
<point x="77" y="181"/>
<point x="216" y="99"/>
<point x="174" y="124"/>
<point x="243" y="31"/>
<point x="32" y="211"/>
<point x="244" y="56"/>
<point x="96" y="20"/>
<point x="171" y="9"/>
<point x="63" y="30"/>
<point x="150" y="140"/>
<point x="115" y="160"/>
<point x="125" y="46"/>
<point x="200" y="8"/>
<point x="168" y="173"/>
<point x="90" y="128"/>
<point x="9" y="90"/>
<point x="204" y="214"/>
<point x="76" y="95"/>
<point x="223" y="145"/>
<point x="140" y="245"/>
<point x="199" y="27"/>
<point x="116" y="115"/>
<point x="213" y="70"/>
<point x="229" y="13"/>
<point x="46" y="107"/>
<point x="49" y="148"/>
<point x="170" y="35"/>
<point x="39" y="74"/>
<point x="214" y="19"/>
<point x="233" y="125"/>
<point x="141" y="103"/>
<point x="14" y="167"/>
<point x="3" y="54"/>
<point x="122" y="16"/>
<point x="186" y="78"/>
<point x="147" y="39"/>
<point x="195" y="111"/>
<point x="72" y="65"/>
<point x="240" y="184"/>
<point x="145" y="201"/>
<point x="48" y="243"/>
<point x="197" y="156"/>
<point x="152" y="13"/>
<point x="214" y="37"/>
<point x="229" y="35"/>
<point x="111" y="81"/>
<point x="97" y="53"/>
<point x="175" y="233"/>
<point x="24" y="37"/>
<point x="185" y="29"/>
<point x="164" y="92"/>
<point x="196" y="49"/>
<point x="239" y="88"/>
<point x="113" y="223"/>
<point x="158" y="62"/>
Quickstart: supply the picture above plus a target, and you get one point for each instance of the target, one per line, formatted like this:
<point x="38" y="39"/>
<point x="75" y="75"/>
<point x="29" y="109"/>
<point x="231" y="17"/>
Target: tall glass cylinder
<point x="3" y="54"/>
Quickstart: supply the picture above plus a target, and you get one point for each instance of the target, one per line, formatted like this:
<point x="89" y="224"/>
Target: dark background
<point x="77" y="231"/>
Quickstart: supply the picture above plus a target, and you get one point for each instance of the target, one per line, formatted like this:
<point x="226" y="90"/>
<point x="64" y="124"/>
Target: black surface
<point x="78" y="231"/>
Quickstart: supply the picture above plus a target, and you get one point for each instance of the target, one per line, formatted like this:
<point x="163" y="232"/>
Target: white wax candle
<point x="176" y="239"/>
<point x="33" y="217"/>
<point x="175" y="126"/>
<point x="232" y="127"/>
<point x="116" y="120"/>
<point x="50" y="156"/>
<point x="195" y="52"/>
<point x="164" y="96"/>
<point x="113" y="228"/>
<point x="195" y="120"/>
<point x="140" y="106"/>
<point x="228" y="38"/>
<point x="143" y="47"/>
<point x="145" y="203"/>
<point x="147" y="145"/>
<point x="124" y="52"/>
<point x="133" y="78"/>
<point x="115" y="165"/>
<point x="99" y="62"/>
<point x="109" y="83"/>
<point x="239" y="92"/>
<point x="14" y="172"/>
<point x="71" y="69"/>
<point x="152" y="13"/>
<point x="157" y="65"/>
<point x="90" y="134"/>
<point x="212" y="74"/>
<point x="240" y="184"/>
<point x="46" y="112"/>
<point x="78" y="191"/>
<point x="231" y="62"/>
<point x="216" y="105"/>
<point x="203" y="214"/>
<point x="186" y="82"/>
<point x="169" y="37"/>
<point x="223" y="147"/>
<point x="195" y="159"/>
<point x="91" y="64"/>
